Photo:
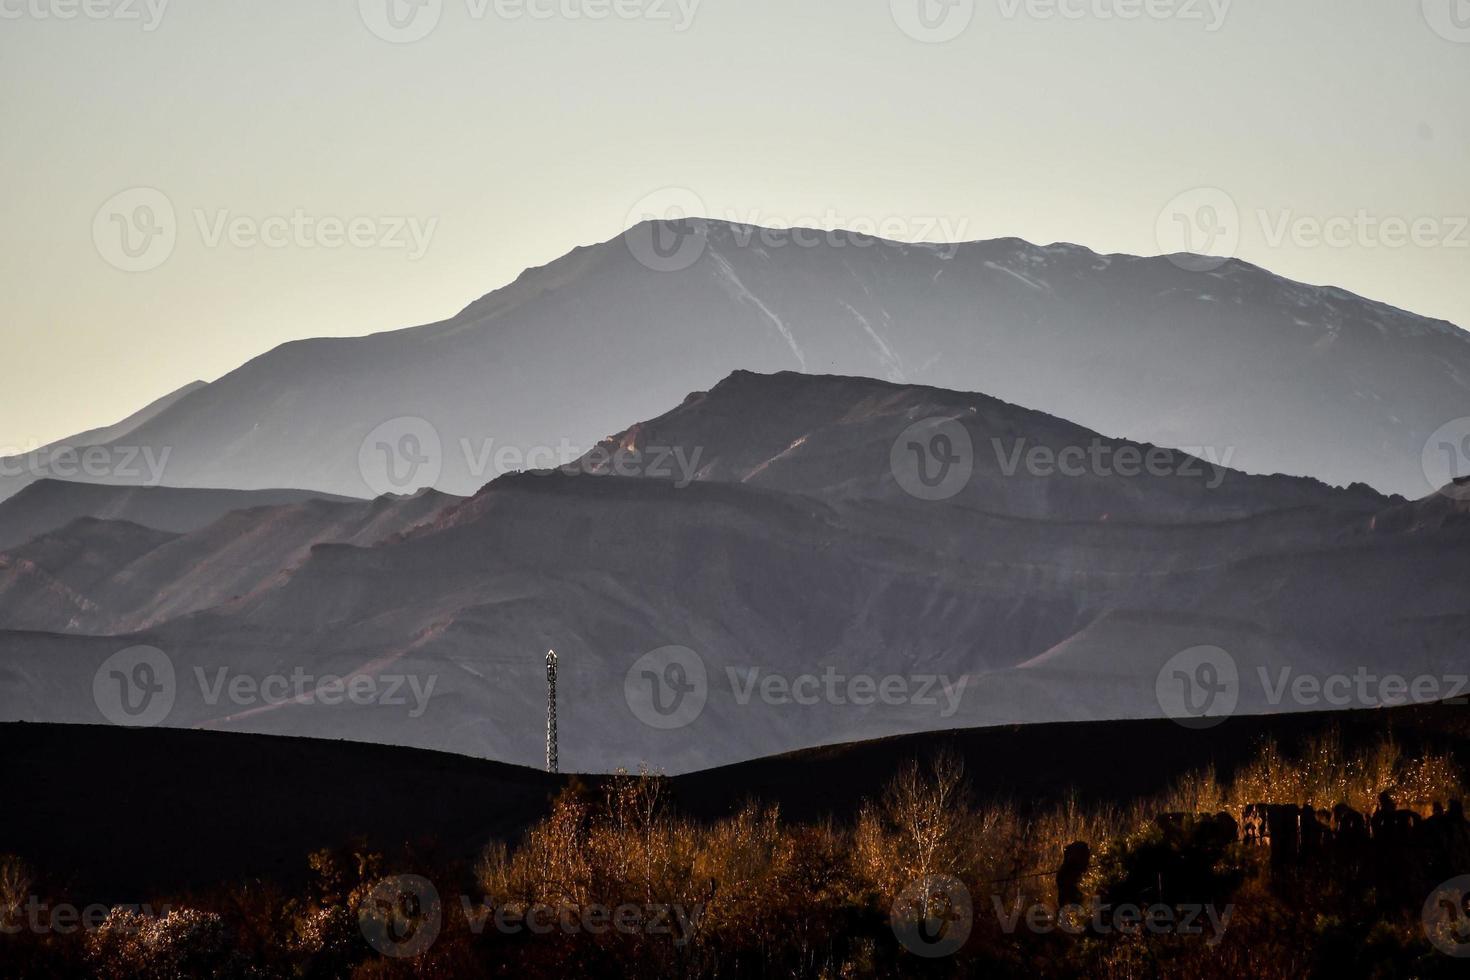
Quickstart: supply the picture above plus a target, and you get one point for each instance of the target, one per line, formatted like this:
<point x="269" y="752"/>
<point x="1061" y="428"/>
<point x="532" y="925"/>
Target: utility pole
<point x="551" y="762"/>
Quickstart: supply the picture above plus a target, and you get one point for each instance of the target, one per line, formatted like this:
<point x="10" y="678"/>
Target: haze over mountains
<point x="48" y="505"/>
<point x="1265" y="374"/>
<point x="799" y="547"/>
<point x="96" y="575"/>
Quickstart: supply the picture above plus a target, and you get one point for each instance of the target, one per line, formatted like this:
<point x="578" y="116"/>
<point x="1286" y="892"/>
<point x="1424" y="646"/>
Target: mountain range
<point x="775" y="527"/>
<point x="1228" y="361"/>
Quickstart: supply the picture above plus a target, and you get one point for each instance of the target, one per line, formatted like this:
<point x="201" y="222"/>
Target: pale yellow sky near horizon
<point x="515" y="130"/>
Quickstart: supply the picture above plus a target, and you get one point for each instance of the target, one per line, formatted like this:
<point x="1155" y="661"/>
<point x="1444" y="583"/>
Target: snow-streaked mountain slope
<point x="1264" y="374"/>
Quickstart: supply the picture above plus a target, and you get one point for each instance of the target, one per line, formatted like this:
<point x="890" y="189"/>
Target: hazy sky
<point x="512" y="131"/>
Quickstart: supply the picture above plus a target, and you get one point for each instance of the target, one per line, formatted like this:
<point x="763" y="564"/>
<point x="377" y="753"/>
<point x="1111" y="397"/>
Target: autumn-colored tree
<point x="916" y="830"/>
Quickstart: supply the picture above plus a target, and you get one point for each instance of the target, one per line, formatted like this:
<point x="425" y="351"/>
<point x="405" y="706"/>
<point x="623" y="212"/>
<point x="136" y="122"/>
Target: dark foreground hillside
<point x="113" y="813"/>
<point x="1306" y="845"/>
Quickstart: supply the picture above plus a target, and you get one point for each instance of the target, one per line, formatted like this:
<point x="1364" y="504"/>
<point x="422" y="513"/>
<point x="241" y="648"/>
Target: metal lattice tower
<point x="551" y="763"/>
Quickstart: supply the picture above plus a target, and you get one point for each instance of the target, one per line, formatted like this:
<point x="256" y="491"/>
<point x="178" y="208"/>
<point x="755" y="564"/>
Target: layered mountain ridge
<point x="1266" y="374"/>
<point x="798" y="545"/>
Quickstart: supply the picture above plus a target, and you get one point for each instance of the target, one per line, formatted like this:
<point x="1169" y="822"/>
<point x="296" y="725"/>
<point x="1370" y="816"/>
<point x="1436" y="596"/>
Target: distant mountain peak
<point x="1279" y="376"/>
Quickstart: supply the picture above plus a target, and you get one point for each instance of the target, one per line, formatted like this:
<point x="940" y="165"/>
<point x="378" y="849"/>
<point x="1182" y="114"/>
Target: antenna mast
<point x="551" y="761"/>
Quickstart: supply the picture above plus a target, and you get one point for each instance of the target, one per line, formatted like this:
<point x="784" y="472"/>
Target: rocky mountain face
<point x="48" y="505"/>
<point x="106" y="576"/>
<point x="835" y="558"/>
<point x="1264" y="374"/>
